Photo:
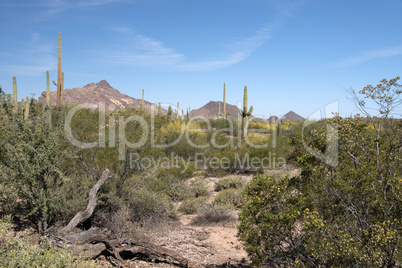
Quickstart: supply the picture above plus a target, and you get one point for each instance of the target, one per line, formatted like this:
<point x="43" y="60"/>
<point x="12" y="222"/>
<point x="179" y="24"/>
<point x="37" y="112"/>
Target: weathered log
<point x="153" y="251"/>
<point x="92" y="202"/>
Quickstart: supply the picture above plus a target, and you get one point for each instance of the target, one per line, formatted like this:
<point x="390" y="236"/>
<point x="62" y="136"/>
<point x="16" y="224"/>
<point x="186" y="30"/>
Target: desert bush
<point x="199" y="189"/>
<point x="236" y="182"/>
<point x="178" y="191"/>
<point x="31" y="161"/>
<point x="191" y="206"/>
<point x="145" y="205"/>
<point x="16" y="253"/>
<point x="342" y="211"/>
<point x="229" y="197"/>
<point x="209" y="214"/>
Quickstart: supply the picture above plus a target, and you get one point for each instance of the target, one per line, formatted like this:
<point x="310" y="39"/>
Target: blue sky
<point x="295" y="55"/>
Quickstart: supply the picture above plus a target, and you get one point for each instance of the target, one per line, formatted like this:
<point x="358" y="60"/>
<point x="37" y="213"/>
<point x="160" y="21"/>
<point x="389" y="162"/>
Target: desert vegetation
<point x="86" y="180"/>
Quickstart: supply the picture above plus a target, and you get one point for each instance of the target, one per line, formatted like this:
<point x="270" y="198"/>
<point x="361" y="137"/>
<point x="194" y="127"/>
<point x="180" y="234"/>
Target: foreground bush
<point x="343" y="211"/>
<point x="15" y="253"/>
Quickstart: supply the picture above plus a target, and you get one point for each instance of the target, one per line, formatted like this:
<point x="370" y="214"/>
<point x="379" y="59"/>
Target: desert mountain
<point x="96" y="93"/>
<point x="211" y="110"/>
<point x="291" y="116"/>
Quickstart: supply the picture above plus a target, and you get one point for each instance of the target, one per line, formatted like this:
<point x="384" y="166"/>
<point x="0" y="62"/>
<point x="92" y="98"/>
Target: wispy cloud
<point x="57" y="6"/>
<point x="370" y="55"/>
<point x="140" y="50"/>
<point x="232" y="53"/>
<point x="147" y="52"/>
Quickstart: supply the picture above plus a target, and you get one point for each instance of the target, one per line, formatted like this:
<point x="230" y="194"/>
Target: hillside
<point x="96" y="93"/>
<point x="211" y="110"/>
<point x="291" y="116"/>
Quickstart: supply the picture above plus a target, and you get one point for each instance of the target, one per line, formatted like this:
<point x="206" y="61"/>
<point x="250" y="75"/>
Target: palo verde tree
<point x="348" y="215"/>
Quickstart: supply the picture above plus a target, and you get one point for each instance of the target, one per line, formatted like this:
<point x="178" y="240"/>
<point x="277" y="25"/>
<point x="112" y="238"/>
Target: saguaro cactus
<point x="159" y="109"/>
<point x="219" y="110"/>
<point x="245" y="113"/>
<point x="47" y="89"/>
<point x="177" y="111"/>
<point x="142" y="101"/>
<point x="59" y="77"/>
<point x="62" y="88"/>
<point x="27" y="104"/>
<point x="170" y="112"/>
<point x="224" y="100"/>
<point x="15" y="100"/>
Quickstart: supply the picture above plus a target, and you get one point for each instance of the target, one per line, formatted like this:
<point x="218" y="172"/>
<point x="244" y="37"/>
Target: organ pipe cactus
<point x="245" y="113"/>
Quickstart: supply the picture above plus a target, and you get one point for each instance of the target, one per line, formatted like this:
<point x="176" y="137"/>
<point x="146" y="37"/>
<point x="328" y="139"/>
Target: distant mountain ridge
<point x="211" y="109"/>
<point x="102" y="92"/>
<point x="291" y="116"/>
<point x="96" y="93"/>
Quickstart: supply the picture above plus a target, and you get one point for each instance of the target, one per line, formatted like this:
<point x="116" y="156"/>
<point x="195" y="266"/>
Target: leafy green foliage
<point x="349" y="215"/>
<point x="191" y="206"/>
<point x="230" y="198"/>
<point x="30" y="169"/>
<point x="16" y="253"/>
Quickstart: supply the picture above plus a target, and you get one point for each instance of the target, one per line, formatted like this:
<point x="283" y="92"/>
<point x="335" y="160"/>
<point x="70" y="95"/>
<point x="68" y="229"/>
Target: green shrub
<point x="16" y="253"/>
<point x="213" y="214"/>
<point x="199" y="189"/>
<point x="144" y="205"/>
<point x="344" y="210"/>
<point x="178" y="192"/>
<point x="237" y="182"/>
<point x="229" y="197"/>
<point x="191" y="206"/>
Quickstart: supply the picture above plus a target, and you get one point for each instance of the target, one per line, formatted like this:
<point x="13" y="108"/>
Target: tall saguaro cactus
<point x="62" y="87"/>
<point x="59" y="77"/>
<point x="245" y="113"/>
<point x="142" y="101"/>
<point x="47" y="89"/>
<point x="224" y="100"/>
<point x="177" y="111"/>
<point x="159" y="109"/>
<point x="15" y="100"/>
<point x="27" y="104"/>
